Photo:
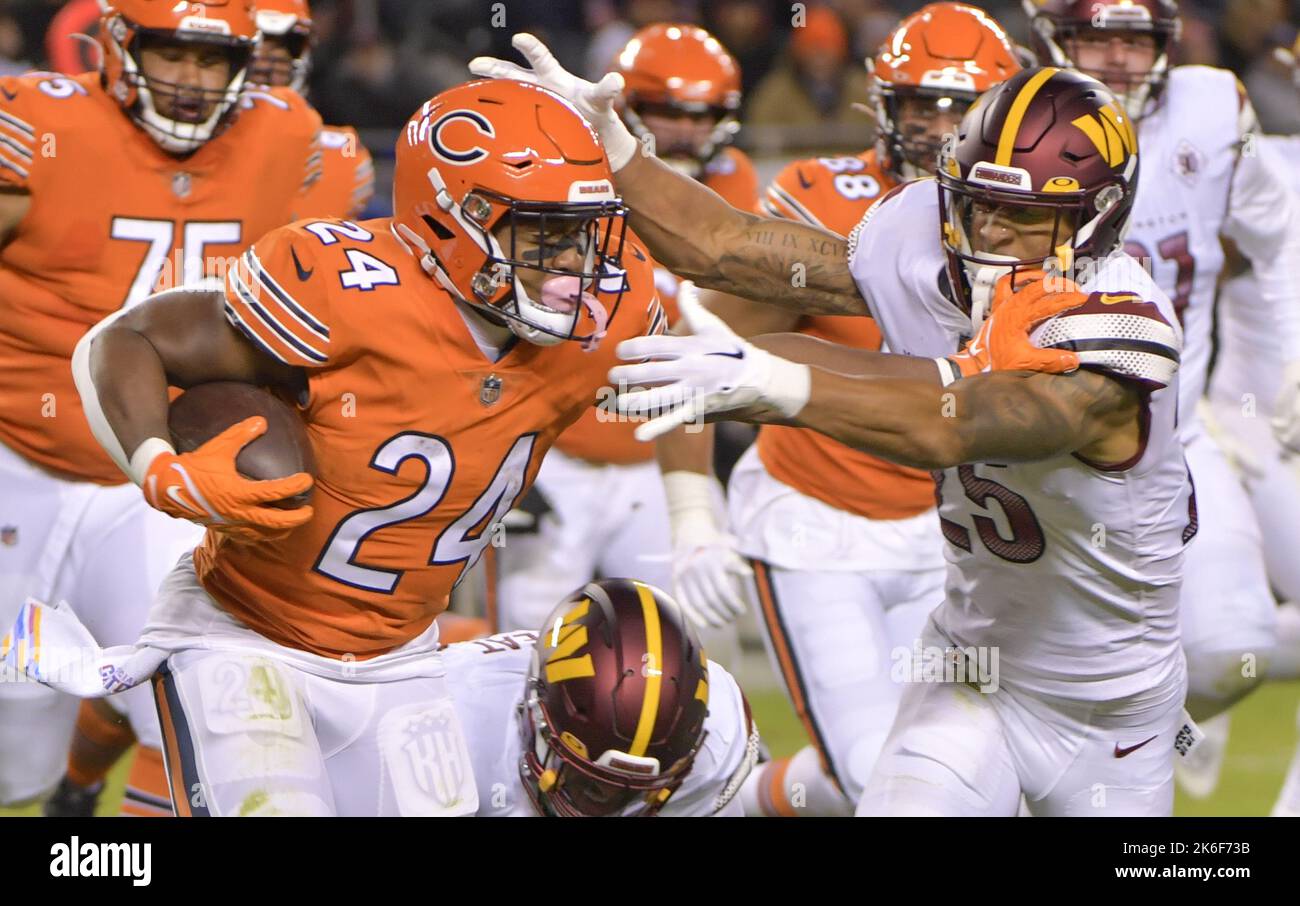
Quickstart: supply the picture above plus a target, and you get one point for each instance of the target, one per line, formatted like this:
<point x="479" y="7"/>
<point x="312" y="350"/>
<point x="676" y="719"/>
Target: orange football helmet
<point x="681" y="71"/>
<point x="945" y="55"/>
<point x="497" y="151"/>
<point x="127" y="26"/>
<point x="286" y="23"/>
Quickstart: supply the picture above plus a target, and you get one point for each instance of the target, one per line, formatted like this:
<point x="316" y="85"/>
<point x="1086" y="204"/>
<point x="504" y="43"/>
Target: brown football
<point x="205" y="410"/>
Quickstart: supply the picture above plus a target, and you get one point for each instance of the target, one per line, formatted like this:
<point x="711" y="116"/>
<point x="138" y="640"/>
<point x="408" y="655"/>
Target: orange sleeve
<point x="273" y="300"/>
<point x="829" y="192"/>
<point x="347" y="181"/>
<point x="21" y="122"/>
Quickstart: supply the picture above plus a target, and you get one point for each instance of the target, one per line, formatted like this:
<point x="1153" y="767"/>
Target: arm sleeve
<point x="277" y="298"/>
<point x="1263" y="218"/>
<point x="18" y="152"/>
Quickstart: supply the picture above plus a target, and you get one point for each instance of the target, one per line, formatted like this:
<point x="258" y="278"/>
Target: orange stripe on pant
<point x="171" y="746"/>
<point x="789" y="669"/>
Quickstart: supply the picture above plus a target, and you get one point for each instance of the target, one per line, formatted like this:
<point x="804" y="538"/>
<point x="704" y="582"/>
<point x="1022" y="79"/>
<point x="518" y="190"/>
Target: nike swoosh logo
<point x="738" y="354"/>
<point x="9" y="96"/>
<point x="303" y="275"/>
<point x="803" y="182"/>
<point x="1120" y="753"/>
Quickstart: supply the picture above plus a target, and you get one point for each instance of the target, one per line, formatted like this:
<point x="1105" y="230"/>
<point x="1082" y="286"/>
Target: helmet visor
<point x="984" y="226"/>
<point x="567" y="258"/>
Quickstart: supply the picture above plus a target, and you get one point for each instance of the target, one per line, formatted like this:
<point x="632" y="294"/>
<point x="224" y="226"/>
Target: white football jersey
<point x="1252" y="351"/>
<point x="487" y="678"/>
<point x="1070" y="569"/>
<point x="1201" y="175"/>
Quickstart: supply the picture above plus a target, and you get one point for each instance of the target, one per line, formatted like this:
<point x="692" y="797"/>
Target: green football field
<point x="1263" y="738"/>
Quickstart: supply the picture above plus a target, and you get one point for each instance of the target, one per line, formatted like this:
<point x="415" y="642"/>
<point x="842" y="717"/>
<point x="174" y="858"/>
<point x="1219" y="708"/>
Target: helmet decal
<point x="468" y="156"/>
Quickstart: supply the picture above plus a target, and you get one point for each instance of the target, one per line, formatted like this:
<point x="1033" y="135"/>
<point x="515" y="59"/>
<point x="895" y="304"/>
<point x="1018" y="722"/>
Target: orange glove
<point x="203" y="486"/>
<point x="1002" y="343"/>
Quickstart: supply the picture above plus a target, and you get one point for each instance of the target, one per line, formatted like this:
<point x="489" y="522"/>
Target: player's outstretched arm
<point x="695" y="234"/>
<point x="687" y="227"/>
<point x="995" y="417"/>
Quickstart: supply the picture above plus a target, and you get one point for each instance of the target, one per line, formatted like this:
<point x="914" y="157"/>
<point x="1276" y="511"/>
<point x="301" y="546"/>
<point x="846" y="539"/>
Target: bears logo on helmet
<point x="498" y="178"/>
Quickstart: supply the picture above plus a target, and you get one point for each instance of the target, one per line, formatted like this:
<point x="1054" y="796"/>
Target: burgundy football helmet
<point x="1057" y="24"/>
<point x="1048" y="157"/>
<point x="614" y="708"/>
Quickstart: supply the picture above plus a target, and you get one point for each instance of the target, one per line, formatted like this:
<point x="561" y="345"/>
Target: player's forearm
<point x="1264" y="223"/>
<point x="998" y="417"/>
<point x="123" y="388"/>
<point x="688" y="449"/>
<point x="898" y="419"/>
<point x="846" y="360"/>
<point x="695" y="234"/>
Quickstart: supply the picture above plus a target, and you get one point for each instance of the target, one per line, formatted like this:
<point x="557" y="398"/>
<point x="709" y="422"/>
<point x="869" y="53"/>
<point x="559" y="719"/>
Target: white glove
<point x="1286" y="410"/>
<point x="594" y="100"/>
<point x="713" y="370"/>
<point x="709" y="576"/>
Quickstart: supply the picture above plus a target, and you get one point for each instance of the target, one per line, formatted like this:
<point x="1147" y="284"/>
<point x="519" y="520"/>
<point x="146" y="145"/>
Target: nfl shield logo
<point x="490" y="391"/>
<point x="181" y="184"/>
<point x="9" y="535"/>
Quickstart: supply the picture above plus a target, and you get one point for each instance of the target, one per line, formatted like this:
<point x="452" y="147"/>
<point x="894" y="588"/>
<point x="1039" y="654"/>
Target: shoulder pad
<point x="1119" y="334"/>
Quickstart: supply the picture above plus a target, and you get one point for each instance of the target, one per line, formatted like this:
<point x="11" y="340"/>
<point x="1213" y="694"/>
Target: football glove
<point x="204" y="486"/>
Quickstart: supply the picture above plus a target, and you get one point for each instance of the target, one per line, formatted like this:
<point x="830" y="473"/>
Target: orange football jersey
<point x="113" y="217"/>
<point x="595" y="437"/>
<point x="422" y="443"/>
<point x="347" y="181"/>
<point x="835" y="193"/>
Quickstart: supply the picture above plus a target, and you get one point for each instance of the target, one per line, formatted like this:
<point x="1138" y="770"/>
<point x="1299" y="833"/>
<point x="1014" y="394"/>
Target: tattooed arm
<point x="996" y="417"/>
<point x="695" y="234"/>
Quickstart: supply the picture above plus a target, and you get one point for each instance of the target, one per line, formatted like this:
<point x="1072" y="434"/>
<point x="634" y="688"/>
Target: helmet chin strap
<point x="983" y="279"/>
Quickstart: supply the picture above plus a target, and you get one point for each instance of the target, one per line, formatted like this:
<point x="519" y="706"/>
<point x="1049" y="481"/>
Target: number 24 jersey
<point x="422" y="443"/>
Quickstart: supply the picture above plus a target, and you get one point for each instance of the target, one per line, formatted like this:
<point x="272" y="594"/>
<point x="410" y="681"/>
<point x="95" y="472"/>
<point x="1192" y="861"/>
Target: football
<point x="205" y="410"/>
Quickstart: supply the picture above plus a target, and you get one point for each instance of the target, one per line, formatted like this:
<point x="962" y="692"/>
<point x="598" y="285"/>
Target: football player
<point x="436" y="356"/>
<point x="283" y="58"/>
<point x="845" y="546"/>
<point x="112" y="184"/>
<point x="610" y="513"/>
<point x="1254" y="380"/>
<point x="1042" y="171"/>
<point x="612" y="708"/>
<point x="1203" y="178"/>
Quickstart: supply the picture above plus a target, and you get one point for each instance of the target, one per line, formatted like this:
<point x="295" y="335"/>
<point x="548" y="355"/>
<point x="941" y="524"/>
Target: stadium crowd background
<point x="377" y="60"/>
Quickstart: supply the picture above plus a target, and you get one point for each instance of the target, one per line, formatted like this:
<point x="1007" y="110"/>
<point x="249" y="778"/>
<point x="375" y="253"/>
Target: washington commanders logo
<point x="566" y="640"/>
<point x="1111" y="131"/>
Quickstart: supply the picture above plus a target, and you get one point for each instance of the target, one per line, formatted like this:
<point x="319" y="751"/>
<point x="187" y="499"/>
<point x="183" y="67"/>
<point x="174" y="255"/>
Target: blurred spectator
<point x="816" y="81"/>
<point x="752" y="31"/>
